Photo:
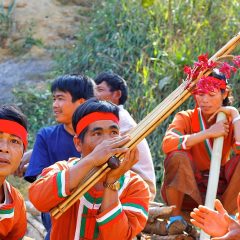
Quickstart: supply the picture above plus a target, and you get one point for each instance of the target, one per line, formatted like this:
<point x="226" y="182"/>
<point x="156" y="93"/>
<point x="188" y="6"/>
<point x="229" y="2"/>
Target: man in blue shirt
<point x="55" y="143"/>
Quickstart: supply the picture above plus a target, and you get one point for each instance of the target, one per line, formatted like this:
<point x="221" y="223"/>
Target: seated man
<point x="117" y="206"/>
<point x="188" y="144"/>
<point x="13" y="143"/>
<point x="217" y="224"/>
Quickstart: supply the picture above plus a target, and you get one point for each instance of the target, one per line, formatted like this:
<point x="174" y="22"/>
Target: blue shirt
<point x="52" y="144"/>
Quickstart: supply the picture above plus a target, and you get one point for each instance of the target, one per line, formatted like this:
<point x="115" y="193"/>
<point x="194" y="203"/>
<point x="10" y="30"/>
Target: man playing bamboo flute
<point x="117" y="206"/>
<point x="13" y="143"/>
<point x="188" y="144"/>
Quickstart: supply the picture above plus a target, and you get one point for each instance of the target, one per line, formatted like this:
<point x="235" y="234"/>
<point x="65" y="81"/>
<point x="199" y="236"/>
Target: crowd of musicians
<point x="92" y="127"/>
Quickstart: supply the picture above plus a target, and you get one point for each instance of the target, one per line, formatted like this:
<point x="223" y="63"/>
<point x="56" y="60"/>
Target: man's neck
<point x="69" y="128"/>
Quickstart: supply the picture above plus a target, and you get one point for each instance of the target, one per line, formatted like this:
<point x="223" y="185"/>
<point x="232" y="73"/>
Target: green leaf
<point x="147" y="3"/>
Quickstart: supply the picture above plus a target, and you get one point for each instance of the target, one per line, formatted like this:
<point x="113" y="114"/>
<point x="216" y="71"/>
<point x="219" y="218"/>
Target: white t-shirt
<point x="144" y="167"/>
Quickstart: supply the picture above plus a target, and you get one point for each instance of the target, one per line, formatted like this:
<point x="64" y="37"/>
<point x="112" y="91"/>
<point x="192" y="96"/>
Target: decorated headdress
<point x="218" y="73"/>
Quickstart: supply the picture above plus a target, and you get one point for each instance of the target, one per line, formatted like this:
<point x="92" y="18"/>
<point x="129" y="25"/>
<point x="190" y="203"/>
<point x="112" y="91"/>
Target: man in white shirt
<point x="113" y="88"/>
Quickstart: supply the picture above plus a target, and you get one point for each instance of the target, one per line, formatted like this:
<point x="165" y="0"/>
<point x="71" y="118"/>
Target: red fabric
<point x="95" y="116"/>
<point x="126" y="225"/>
<point x="209" y="84"/>
<point x="15" y="227"/>
<point x="15" y="128"/>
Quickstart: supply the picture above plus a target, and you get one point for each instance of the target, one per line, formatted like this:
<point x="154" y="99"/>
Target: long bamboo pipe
<point x="148" y="124"/>
<point x="214" y="173"/>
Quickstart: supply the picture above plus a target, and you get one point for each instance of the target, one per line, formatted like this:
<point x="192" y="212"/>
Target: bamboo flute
<point x="214" y="173"/>
<point x="148" y="124"/>
<point x="82" y="186"/>
<point x="81" y="191"/>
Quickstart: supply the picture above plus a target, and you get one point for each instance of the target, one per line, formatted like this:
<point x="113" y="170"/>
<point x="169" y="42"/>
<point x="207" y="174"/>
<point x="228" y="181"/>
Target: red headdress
<point x="210" y="83"/>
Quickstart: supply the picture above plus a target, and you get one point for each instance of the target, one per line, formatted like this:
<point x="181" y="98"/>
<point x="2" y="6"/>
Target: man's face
<point x="103" y="92"/>
<point x="63" y="107"/>
<point x="11" y="152"/>
<point x="210" y="102"/>
<point x="96" y="133"/>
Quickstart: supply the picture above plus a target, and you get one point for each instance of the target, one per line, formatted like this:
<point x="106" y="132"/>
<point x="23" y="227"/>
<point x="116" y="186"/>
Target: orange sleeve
<point x="177" y="133"/>
<point x="51" y="188"/>
<point x="125" y="219"/>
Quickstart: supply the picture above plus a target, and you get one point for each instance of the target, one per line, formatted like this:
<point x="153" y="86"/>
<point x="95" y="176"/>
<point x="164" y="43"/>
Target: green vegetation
<point x="148" y="44"/>
<point x="36" y="104"/>
<point x="149" y="48"/>
<point x="26" y="42"/>
<point x="5" y="21"/>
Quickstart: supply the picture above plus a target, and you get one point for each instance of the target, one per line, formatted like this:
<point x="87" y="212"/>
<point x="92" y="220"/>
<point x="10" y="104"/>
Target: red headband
<point x="93" y="117"/>
<point x="14" y="128"/>
<point x="209" y="84"/>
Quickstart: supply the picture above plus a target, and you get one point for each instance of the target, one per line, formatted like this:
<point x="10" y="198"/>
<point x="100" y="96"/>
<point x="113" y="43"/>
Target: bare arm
<point x="218" y="129"/>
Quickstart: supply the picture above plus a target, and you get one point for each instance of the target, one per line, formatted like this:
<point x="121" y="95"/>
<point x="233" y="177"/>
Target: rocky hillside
<point x="29" y="33"/>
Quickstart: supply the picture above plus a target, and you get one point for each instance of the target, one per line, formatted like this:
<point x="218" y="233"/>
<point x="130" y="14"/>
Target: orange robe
<point x="123" y="220"/>
<point x="190" y="122"/>
<point x="13" y="222"/>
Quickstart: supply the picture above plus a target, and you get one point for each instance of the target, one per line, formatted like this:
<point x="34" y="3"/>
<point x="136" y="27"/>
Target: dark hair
<point x="78" y="86"/>
<point x="92" y="105"/>
<point x="13" y="113"/>
<point x="115" y="82"/>
<point x="229" y="99"/>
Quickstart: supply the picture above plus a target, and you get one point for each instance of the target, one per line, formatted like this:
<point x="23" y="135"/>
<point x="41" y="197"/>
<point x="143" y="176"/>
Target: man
<point x="55" y="143"/>
<point x="217" y="223"/>
<point x="116" y="207"/>
<point x="188" y="144"/>
<point x="111" y="87"/>
<point x="13" y="143"/>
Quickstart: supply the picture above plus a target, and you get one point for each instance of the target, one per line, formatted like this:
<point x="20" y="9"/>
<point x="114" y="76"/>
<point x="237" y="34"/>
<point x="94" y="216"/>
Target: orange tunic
<point x="123" y="220"/>
<point x="189" y="122"/>
<point x="13" y="222"/>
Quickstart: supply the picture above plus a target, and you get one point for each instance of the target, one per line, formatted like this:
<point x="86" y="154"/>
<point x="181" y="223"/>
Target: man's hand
<point x="212" y="222"/>
<point x="108" y="148"/>
<point x="228" y="110"/>
<point x="130" y="158"/>
<point x="218" y="129"/>
<point x="233" y="230"/>
<point x="24" y="164"/>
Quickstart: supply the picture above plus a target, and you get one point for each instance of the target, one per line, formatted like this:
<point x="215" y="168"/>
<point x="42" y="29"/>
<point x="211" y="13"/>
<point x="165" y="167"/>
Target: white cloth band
<point x="236" y="119"/>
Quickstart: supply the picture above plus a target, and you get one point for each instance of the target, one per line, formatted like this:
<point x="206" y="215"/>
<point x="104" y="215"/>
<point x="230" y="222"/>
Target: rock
<point x="19" y="4"/>
<point x="158" y="227"/>
<point x="31" y="209"/>
<point x="36" y="51"/>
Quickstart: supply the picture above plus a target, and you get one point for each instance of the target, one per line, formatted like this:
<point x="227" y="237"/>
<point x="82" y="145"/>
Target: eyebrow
<point x="58" y="95"/>
<point x="100" y="128"/>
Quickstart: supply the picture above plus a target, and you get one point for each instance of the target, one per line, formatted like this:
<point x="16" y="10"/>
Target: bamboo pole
<point x="214" y="173"/>
<point x="62" y="207"/>
<point x="153" y="119"/>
